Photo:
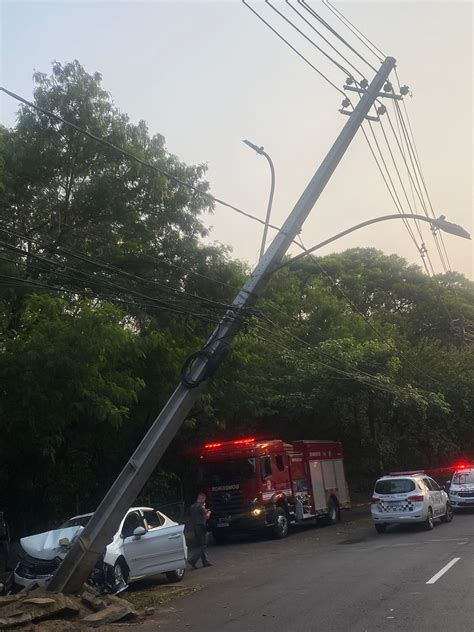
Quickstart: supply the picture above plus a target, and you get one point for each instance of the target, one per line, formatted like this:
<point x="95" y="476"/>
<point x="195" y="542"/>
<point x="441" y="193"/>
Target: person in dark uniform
<point x="4" y="543"/>
<point x="199" y="516"/>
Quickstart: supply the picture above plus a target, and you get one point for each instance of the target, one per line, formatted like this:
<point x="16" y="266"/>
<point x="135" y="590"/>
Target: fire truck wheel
<point x="280" y="528"/>
<point x="333" y="514"/>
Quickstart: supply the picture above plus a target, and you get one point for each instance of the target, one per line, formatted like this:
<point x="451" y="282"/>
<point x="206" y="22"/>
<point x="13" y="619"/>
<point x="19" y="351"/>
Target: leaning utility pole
<point x="87" y="549"/>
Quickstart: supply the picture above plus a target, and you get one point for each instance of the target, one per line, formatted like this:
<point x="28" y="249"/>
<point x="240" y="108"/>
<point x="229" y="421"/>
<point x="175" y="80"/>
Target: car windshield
<point x="80" y="521"/>
<point x="464" y="478"/>
<point x="394" y="486"/>
<point x="228" y="472"/>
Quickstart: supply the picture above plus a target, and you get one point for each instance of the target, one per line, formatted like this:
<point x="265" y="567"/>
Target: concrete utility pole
<point x="80" y="560"/>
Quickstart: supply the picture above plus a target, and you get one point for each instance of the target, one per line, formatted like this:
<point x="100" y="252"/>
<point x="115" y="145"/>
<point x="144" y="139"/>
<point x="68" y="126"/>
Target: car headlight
<point x="257" y="511"/>
<point x="453" y="492"/>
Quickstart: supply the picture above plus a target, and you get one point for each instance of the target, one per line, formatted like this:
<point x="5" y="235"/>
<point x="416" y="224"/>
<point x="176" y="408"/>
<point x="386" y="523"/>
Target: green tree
<point x="68" y="382"/>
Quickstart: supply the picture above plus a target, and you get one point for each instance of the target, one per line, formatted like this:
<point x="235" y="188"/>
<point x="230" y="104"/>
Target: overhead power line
<point x="282" y="338"/>
<point x="161" y="260"/>
<point x="295" y="50"/>
<point x="325" y="39"/>
<point x="18" y="282"/>
<point x="131" y="156"/>
<point x="387" y="179"/>
<point x="355" y="309"/>
<point x="182" y="294"/>
<point x="335" y="33"/>
<point x="308" y="39"/>
<point x="360" y="36"/>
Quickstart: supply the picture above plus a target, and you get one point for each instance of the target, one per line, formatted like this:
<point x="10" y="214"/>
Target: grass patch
<point x="154" y="596"/>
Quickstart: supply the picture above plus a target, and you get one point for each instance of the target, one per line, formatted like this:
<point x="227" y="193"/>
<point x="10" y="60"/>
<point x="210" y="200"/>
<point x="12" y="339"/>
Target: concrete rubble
<point x="90" y="609"/>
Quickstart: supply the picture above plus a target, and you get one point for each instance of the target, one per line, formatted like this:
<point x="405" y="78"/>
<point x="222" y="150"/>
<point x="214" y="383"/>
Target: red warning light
<point x="246" y="441"/>
<point x="243" y="441"/>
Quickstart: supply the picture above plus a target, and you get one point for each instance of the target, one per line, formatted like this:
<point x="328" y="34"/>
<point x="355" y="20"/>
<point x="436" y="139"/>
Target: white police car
<point x="406" y="498"/>
<point x="461" y="488"/>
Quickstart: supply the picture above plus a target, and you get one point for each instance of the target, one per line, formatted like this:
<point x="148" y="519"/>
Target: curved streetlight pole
<point x="261" y="151"/>
<point x="441" y="223"/>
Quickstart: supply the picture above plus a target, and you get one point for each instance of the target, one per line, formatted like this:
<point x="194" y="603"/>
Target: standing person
<point x="199" y="516"/>
<point x="4" y="543"/>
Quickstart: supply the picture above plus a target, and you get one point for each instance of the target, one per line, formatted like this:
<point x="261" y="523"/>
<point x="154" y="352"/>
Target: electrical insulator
<point x="404" y="90"/>
<point x="349" y="81"/>
<point x="381" y="110"/>
<point x="388" y="87"/>
<point x="345" y="103"/>
<point x="364" y="83"/>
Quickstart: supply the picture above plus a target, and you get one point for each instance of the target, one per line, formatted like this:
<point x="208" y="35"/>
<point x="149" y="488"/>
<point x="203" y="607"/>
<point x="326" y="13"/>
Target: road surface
<point x="337" y="579"/>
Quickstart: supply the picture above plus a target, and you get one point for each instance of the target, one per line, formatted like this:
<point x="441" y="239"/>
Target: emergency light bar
<point x="408" y="473"/>
<point x="429" y="471"/>
<point x="210" y="446"/>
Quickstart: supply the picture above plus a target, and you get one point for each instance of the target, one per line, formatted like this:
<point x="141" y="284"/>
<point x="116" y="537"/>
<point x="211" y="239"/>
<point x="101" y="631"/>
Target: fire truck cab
<point x="255" y="484"/>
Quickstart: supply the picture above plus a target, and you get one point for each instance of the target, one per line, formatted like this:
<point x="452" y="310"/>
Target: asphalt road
<point x="337" y="579"/>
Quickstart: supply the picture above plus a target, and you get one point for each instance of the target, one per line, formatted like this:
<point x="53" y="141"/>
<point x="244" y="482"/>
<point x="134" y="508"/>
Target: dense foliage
<point x="106" y="286"/>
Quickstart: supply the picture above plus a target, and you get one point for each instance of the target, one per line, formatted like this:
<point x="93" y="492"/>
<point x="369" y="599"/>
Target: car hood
<point x="45" y="546"/>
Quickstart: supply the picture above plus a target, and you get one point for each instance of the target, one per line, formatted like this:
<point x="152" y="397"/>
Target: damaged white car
<point x="147" y="543"/>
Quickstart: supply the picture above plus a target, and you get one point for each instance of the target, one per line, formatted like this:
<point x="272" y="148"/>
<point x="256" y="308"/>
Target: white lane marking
<point x="377" y="547"/>
<point x="444" y="570"/>
<point x="450" y="540"/>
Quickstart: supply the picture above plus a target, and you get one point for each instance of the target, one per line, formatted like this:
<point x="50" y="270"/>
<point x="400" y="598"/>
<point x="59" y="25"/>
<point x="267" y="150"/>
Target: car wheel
<point x="429" y="522"/>
<point x="120" y="573"/>
<point x="280" y="528"/>
<point x="333" y="515"/>
<point x="448" y="516"/>
<point x="175" y="576"/>
<point x="380" y="528"/>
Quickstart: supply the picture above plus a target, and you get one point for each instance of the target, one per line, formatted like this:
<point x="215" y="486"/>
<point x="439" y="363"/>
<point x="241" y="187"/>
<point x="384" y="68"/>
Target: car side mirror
<point x="139" y="531"/>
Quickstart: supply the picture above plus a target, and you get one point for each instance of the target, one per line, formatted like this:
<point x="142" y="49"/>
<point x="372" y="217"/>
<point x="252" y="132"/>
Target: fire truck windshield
<point x="227" y="472"/>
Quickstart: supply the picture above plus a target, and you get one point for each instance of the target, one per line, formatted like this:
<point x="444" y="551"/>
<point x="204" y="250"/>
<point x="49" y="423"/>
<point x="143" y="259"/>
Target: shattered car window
<point x="79" y="521"/>
<point x="153" y="519"/>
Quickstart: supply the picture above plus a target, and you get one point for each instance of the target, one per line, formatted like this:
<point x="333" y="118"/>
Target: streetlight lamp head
<point x="449" y="227"/>
<point x="253" y="146"/>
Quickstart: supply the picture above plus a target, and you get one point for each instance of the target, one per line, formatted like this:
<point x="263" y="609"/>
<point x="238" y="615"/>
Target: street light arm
<point x="270" y="201"/>
<point x="440" y="223"/>
<point x="262" y="152"/>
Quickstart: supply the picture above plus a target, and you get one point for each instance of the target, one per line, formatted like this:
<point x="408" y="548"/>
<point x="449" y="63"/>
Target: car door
<point x="169" y="541"/>
<point x="440" y="504"/>
<point x="433" y="495"/>
<point x="133" y="548"/>
<point x="159" y="550"/>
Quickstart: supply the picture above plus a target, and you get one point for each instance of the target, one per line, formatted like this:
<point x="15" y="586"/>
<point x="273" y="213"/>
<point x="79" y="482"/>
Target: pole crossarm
<point x="99" y="531"/>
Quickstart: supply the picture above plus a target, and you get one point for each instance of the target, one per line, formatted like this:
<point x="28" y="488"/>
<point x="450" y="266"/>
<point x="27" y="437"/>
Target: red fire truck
<point x="256" y="484"/>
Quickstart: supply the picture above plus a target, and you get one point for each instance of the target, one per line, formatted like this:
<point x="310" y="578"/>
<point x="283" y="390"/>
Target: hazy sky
<point x="208" y="74"/>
